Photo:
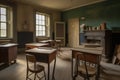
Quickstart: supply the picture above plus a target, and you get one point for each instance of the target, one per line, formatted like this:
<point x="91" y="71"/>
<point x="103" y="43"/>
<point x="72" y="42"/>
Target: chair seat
<point x="82" y="70"/>
<point x="36" y="69"/>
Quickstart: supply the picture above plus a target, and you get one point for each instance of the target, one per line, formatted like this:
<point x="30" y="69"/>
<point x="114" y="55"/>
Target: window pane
<point x="37" y="16"/>
<point x="37" y="27"/>
<point x="44" y="28"/>
<point x="40" y="27"/>
<point x="3" y="11"/>
<point x="40" y="33"/>
<point x="3" y="18"/>
<point x="37" y="22"/>
<point x="43" y="33"/>
<point x="43" y="17"/>
<point x="3" y="33"/>
<point x="42" y="22"/>
<point x="3" y="25"/>
<point x="37" y="33"/>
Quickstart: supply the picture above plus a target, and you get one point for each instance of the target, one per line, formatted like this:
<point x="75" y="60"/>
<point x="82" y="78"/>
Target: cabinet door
<point x="12" y="53"/>
<point x="60" y="32"/>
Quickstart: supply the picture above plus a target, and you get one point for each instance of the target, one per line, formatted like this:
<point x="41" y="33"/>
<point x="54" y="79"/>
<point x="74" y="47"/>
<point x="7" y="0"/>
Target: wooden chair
<point x="34" y="68"/>
<point x="87" y="65"/>
<point x="118" y="54"/>
<point x="114" y="67"/>
<point x="53" y="44"/>
<point x="56" y="45"/>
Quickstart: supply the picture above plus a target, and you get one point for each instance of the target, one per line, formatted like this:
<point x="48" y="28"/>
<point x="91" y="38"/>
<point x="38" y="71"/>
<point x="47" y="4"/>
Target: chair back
<point x="53" y="43"/>
<point x="31" y="60"/>
<point x="33" y="68"/>
<point x="87" y="64"/>
<point x="118" y="52"/>
<point x="116" y="55"/>
<point x="91" y="58"/>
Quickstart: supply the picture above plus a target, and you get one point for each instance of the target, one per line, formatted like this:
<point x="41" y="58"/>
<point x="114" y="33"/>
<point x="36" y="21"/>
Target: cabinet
<point x="101" y="37"/>
<point x="8" y="53"/>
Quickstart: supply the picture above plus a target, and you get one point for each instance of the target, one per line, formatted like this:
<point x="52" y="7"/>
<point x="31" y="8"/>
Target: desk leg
<point x="98" y="69"/>
<point x="98" y="73"/>
<point x="72" y="68"/>
<point x="72" y="72"/>
<point x="53" y="77"/>
<point x="48" y="71"/>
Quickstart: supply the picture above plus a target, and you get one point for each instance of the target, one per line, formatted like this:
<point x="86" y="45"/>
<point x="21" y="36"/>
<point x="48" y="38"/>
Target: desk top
<point x="89" y="50"/>
<point x="46" y="41"/>
<point x="8" y="45"/>
<point x="36" y="44"/>
<point x="41" y="50"/>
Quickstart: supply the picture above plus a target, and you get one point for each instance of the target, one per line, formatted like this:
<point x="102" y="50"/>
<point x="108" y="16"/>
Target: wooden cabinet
<point x="8" y="53"/>
<point x="101" y="37"/>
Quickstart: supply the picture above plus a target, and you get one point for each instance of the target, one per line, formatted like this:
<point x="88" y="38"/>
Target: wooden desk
<point x="35" y="45"/>
<point x="46" y="55"/>
<point x="8" y="53"/>
<point x="51" y="42"/>
<point x="76" y="51"/>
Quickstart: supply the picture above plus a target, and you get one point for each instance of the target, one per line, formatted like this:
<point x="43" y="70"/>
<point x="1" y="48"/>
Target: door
<point x="60" y="32"/>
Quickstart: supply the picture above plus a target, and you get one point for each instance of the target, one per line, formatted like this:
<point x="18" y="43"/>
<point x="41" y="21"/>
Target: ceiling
<point x="60" y="4"/>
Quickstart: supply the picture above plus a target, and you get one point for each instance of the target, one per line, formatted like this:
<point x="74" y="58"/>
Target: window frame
<point x="9" y="22"/>
<point x="46" y="24"/>
<point x="6" y="22"/>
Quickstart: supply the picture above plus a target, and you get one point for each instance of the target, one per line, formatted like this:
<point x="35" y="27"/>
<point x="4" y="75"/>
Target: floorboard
<point x="17" y="71"/>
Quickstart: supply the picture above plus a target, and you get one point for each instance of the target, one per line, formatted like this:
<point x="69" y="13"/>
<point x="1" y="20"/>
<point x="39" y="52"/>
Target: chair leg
<point x="44" y="75"/>
<point x="26" y="74"/>
<point x="97" y="78"/>
<point x="86" y="78"/>
<point x="35" y="76"/>
<point x="74" y="78"/>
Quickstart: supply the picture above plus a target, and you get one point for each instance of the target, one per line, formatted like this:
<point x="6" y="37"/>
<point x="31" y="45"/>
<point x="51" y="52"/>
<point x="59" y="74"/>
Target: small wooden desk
<point x="8" y="53"/>
<point x="35" y="45"/>
<point x="46" y="55"/>
<point x="76" y="51"/>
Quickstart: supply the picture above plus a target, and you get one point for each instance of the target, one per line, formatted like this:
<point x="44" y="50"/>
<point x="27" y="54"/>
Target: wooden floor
<point x="17" y="71"/>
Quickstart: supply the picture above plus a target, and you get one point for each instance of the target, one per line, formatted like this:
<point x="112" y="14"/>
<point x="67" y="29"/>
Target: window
<point x="42" y="24"/>
<point x="5" y="22"/>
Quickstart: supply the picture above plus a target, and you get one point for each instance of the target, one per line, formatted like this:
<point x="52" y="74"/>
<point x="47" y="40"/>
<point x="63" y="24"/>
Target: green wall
<point x="95" y="14"/>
